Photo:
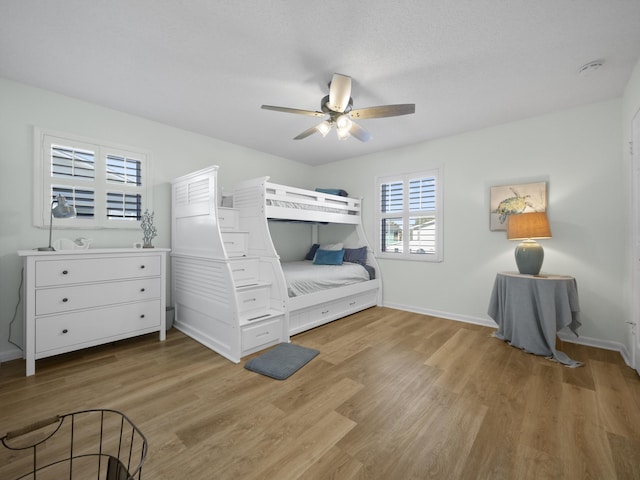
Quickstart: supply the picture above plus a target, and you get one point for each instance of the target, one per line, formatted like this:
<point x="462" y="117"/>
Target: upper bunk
<point x="281" y="202"/>
<point x="261" y="202"/>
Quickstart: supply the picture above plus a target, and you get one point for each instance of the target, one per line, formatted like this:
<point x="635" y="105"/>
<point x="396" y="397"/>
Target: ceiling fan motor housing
<point x="325" y="107"/>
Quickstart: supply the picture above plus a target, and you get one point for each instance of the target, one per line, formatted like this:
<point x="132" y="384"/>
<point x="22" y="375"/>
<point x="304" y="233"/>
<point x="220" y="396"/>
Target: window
<point x="108" y="184"/>
<point x="409" y="216"/>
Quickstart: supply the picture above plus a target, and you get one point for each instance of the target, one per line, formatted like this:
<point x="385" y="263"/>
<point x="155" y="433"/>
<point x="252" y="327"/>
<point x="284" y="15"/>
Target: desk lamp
<point x="526" y="227"/>
<point x="61" y="210"/>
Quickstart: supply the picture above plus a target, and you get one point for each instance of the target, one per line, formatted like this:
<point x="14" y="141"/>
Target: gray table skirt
<point x="529" y="311"/>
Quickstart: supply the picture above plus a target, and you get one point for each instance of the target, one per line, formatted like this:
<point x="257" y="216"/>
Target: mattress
<point x="304" y="277"/>
<point x="306" y="206"/>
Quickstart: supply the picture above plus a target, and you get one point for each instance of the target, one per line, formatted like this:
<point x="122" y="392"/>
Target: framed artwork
<point x="522" y="198"/>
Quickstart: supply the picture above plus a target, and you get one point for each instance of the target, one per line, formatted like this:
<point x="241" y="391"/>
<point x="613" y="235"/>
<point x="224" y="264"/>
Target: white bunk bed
<point x="259" y="201"/>
<point x="225" y="298"/>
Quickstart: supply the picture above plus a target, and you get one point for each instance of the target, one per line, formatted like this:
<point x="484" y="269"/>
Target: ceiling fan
<point x="338" y="105"/>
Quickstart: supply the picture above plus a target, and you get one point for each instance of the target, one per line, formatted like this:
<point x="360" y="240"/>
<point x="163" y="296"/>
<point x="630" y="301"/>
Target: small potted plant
<point x="149" y="232"/>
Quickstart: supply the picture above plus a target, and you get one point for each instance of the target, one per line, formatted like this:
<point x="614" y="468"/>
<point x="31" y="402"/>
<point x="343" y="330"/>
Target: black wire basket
<point x="90" y="444"/>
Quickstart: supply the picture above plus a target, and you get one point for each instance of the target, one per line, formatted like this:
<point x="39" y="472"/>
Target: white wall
<point x="578" y="152"/>
<point x="630" y="105"/>
<point x="174" y="152"/>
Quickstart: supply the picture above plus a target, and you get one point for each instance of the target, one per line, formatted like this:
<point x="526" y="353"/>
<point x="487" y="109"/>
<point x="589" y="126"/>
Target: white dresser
<point x="75" y="299"/>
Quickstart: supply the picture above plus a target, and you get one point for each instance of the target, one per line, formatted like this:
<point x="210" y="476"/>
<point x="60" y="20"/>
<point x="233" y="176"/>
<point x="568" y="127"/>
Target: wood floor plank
<point x="583" y="446"/>
<point x="615" y="401"/>
<point x="625" y="456"/>
<point x="335" y="465"/>
<point x="392" y="394"/>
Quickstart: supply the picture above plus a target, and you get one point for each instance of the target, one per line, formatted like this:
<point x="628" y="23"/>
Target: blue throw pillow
<point x="355" y="255"/>
<point x="333" y="191"/>
<point x="312" y="252"/>
<point x="328" y="257"/>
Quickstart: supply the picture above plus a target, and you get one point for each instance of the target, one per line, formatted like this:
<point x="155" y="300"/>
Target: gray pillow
<point x="355" y="255"/>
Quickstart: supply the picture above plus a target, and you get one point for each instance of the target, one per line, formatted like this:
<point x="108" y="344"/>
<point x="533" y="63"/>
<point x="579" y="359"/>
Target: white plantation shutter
<point x="409" y="216"/>
<point x="107" y="184"/>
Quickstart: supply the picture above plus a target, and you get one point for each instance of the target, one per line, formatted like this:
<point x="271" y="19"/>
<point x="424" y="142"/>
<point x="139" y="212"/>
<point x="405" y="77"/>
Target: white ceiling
<point x="207" y="65"/>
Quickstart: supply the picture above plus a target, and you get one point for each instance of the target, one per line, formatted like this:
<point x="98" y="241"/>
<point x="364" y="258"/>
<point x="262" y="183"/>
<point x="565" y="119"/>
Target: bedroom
<point x="573" y="149"/>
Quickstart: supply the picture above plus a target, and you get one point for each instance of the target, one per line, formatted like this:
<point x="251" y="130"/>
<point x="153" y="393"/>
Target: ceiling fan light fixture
<point x="343" y="133"/>
<point x="343" y="122"/>
<point x="324" y="128"/>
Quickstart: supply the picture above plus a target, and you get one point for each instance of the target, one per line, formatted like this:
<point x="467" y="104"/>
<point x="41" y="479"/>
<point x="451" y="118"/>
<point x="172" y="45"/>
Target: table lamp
<point x="61" y="210"/>
<point x="526" y="227"/>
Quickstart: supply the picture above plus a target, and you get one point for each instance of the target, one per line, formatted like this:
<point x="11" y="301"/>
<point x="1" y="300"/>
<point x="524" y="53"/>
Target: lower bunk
<point x="315" y="309"/>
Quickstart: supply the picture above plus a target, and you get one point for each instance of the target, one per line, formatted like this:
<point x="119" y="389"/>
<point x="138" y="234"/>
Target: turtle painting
<point x="512" y="199"/>
<point x="512" y="205"/>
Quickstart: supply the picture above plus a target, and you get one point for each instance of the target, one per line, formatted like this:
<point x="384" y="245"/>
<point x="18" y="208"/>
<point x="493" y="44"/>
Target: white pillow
<point x="331" y="246"/>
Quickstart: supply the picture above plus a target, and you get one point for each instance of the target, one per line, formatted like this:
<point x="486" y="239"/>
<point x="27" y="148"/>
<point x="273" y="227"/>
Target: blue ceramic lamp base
<point x="529" y="257"/>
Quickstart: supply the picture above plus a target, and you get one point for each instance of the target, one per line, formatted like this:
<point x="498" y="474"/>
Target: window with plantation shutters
<point x="409" y="216"/>
<point x="108" y="184"/>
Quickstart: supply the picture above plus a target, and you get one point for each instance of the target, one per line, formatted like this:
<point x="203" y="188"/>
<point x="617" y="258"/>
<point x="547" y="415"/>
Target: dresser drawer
<point x="244" y="271"/>
<point x="65" y="272"/>
<point x="261" y="333"/>
<point x="76" y="297"/>
<point x="92" y="327"/>
<point x="235" y="243"/>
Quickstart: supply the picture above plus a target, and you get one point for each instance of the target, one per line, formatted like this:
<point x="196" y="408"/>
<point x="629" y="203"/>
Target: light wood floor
<point x="392" y="395"/>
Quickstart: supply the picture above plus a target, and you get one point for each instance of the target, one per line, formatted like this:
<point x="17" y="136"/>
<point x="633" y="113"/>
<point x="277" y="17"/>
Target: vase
<point x="147" y="245"/>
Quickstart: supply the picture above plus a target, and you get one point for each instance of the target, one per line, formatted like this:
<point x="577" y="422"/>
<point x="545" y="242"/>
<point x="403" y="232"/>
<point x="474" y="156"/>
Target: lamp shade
<point x="527" y="226"/>
<point x="61" y="210"/>
<point x="522" y="226"/>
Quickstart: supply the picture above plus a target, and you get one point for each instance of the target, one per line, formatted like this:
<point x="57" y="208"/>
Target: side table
<point x="529" y="311"/>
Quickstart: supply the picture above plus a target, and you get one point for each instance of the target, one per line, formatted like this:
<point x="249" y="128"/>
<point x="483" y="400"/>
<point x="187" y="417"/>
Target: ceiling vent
<point x="588" y="68"/>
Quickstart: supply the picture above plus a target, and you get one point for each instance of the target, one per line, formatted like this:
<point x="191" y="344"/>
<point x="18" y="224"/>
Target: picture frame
<point x="518" y="198"/>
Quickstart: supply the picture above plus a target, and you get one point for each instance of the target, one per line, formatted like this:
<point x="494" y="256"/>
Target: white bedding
<point x="304" y="206"/>
<point x="304" y="277"/>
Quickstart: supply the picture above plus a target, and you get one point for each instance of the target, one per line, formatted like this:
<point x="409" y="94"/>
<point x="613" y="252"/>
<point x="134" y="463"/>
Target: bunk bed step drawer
<point x="235" y="243"/>
<point x="228" y="219"/>
<point x="253" y="300"/>
<point x="245" y="271"/>
<point x="263" y="333"/>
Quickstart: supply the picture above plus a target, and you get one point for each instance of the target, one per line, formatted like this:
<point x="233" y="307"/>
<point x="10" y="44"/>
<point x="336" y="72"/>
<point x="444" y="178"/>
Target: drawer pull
<point x="249" y="300"/>
<point x="142" y="289"/>
<point x="65" y="331"/>
<point x="141" y="266"/>
<point x="352" y="304"/>
<point x="239" y="270"/>
<point x="325" y="312"/>
<point x="65" y="272"/>
<point x="65" y="300"/>
<point x="142" y="315"/>
<point x="262" y="334"/>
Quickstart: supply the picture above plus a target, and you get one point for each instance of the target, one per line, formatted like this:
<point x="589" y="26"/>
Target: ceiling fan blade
<point x="306" y="133"/>
<point x="359" y="132"/>
<point x="293" y="110"/>
<point x="384" y="111"/>
<point x="339" y="92"/>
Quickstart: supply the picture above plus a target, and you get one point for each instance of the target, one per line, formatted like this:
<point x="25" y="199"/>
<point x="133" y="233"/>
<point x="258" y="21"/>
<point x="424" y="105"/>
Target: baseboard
<point x="446" y="315"/>
<point x="597" y="343"/>
<point x="13" y="354"/>
<point x="564" y="336"/>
